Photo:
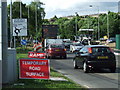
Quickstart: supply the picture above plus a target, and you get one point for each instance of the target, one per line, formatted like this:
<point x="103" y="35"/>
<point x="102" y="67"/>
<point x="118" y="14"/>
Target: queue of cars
<point x="87" y="57"/>
<point x="76" y="47"/>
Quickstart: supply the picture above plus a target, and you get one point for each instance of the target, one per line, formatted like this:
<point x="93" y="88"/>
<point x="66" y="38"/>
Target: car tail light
<point x="64" y="49"/>
<point x="90" y="50"/>
<point x="50" y="49"/>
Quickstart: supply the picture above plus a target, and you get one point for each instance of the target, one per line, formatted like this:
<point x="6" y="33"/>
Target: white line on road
<point x="116" y="53"/>
<point x="86" y="86"/>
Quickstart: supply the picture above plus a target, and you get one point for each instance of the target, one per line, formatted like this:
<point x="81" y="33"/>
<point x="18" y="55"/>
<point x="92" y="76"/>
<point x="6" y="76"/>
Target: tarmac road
<point x="98" y="79"/>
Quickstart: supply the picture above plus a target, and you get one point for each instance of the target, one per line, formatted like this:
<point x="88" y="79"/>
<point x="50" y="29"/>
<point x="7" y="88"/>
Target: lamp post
<point x="76" y="26"/>
<point x="108" y="25"/>
<point x="36" y="20"/>
<point x="98" y="21"/>
<point x="28" y="19"/>
<point x="11" y="24"/>
<point x="98" y="24"/>
<point x="20" y="9"/>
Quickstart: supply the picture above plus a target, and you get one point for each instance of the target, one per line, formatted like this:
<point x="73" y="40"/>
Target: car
<point x="55" y="50"/>
<point x="67" y="44"/>
<point x="75" y="47"/>
<point x="92" y="57"/>
<point x="111" y="40"/>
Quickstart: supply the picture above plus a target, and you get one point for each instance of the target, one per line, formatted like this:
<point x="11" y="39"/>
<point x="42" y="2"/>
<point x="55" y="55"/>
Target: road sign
<point x="23" y="42"/>
<point x="34" y="69"/>
<point x="50" y="31"/>
<point x="19" y="27"/>
<point x="40" y="55"/>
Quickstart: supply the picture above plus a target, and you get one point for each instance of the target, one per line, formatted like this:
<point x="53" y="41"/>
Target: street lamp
<point x="36" y="20"/>
<point x="20" y="9"/>
<point x="108" y="25"/>
<point x="11" y="24"/>
<point x="76" y="26"/>
<point x="98" y="22"/>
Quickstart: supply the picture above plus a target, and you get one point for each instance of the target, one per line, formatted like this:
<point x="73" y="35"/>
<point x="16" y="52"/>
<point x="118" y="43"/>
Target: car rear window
<point x="57" y="46"/>
<point x="101" y="49"/>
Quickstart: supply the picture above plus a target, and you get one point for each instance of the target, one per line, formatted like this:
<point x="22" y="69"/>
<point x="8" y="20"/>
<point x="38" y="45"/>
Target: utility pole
<point x="108" y="25"/>
<point x="76" y="26"/>
<point x="98" y="24"/>
<point x="11" y="25"/>
<point x="36" y="19"/>
<point x="20" y="18"/>
<point x="28" y="19"/>
<point x="0" y="44"/>
<point x="20" y="9"/>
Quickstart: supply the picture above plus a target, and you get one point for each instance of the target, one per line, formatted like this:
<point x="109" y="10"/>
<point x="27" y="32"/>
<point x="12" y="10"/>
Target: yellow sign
<point x="105" y="37"/>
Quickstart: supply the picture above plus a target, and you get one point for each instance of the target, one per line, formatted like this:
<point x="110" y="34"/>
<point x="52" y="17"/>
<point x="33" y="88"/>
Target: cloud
<point x="65" y="8"/>
<point x="69" y="7"/>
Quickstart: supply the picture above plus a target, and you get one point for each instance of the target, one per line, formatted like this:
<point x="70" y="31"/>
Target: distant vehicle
<point x="111" y="40"/>
<point x="52" y="41"/>
<point x="67" y="44"/>
<point x="55" y="50"/>
<point x="75" y="47"/>
<point x="95" y="57"/>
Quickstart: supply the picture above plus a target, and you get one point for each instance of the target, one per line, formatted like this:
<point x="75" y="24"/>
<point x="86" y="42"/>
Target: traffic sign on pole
<point x="23" y="42"/>
<point x="19" y="27"/>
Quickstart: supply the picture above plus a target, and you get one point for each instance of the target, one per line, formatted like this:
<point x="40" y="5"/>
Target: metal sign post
<point x="0" y="46"/>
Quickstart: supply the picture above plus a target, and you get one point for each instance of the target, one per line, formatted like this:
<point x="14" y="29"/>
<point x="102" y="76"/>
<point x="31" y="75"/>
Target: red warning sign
<point x="34" y="69"/>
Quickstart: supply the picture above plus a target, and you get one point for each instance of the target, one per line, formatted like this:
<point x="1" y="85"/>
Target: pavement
<point x="117" y="51"/>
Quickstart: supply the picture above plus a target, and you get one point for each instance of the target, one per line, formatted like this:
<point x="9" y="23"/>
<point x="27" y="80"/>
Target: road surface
<point x="97" y="79"/>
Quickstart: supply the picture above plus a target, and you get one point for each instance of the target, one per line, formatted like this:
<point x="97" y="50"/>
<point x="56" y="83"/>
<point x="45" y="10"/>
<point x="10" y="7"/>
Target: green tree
<point x="31" y="19"/>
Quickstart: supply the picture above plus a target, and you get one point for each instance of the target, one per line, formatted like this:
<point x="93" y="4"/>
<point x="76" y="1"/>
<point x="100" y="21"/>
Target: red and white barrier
<point x="37" y="55"/>
<point x="37" y="47"/>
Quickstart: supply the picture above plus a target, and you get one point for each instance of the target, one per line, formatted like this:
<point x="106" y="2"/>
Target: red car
<point x="55" y="50"/>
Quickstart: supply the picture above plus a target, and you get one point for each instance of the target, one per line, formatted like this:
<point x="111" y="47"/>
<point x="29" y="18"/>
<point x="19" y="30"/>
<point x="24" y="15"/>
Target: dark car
<point x="55" y="50"/>
<point x="95" y="57"/>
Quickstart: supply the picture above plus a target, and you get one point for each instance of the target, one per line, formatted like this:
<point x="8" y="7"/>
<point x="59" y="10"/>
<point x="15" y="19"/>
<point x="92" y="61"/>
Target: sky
<point x="62" y="8"/>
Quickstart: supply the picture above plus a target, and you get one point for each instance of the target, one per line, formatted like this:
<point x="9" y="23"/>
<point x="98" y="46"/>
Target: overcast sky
<point x="62" y="8"/>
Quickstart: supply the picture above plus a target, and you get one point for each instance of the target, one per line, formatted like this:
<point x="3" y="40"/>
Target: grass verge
<point x="38" y="83"/>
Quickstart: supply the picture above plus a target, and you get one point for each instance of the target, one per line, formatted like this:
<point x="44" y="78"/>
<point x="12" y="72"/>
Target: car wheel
<point x="85" y="68"/>
<point x="75" y="65"/>
<point x="112" y="70"/>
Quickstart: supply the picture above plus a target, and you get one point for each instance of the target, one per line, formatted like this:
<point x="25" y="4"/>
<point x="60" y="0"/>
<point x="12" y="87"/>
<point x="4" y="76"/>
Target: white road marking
<point x="116" y="53"/>
<point x="86" y="86"/>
